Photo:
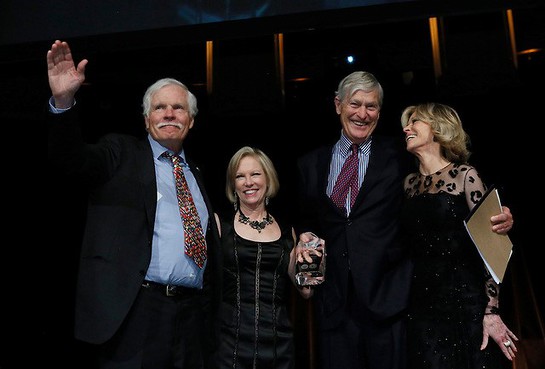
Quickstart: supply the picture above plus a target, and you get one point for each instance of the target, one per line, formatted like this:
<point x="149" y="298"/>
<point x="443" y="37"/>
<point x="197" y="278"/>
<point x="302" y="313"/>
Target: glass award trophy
<point x="311" y="273"/>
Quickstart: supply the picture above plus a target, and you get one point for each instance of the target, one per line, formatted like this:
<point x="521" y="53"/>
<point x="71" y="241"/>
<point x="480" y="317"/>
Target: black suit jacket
<point x="119" y="175"/>
<point x="365" y="246"/>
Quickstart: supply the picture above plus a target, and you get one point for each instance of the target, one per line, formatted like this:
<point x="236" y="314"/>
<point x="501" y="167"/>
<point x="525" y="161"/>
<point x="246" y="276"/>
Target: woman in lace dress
<point x="454" y="320"/>
<point x="258" y="258"/>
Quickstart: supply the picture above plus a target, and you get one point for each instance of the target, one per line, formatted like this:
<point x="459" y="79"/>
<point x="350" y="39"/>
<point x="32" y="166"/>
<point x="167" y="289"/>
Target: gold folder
<point x="495" y="249"/>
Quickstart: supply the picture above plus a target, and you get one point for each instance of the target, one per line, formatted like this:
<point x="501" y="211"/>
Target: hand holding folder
<point x="495" y="249"/>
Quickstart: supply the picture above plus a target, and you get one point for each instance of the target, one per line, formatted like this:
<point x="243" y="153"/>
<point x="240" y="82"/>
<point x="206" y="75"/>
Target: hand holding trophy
<point x="310" y="265"/>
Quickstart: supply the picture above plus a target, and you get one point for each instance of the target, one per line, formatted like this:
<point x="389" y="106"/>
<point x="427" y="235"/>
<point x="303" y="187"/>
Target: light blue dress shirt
<point x="169" y="264"/>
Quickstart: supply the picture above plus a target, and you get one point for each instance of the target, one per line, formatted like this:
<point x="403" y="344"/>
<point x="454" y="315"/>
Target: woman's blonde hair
<point x="446" y="126"/>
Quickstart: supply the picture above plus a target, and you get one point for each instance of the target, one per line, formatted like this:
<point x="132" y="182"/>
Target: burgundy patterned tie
<point x="347" y="180"/>
<point x="195" y="245"/>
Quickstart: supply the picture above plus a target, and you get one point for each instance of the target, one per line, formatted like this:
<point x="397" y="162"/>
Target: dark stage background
<point x="286" y="112"/>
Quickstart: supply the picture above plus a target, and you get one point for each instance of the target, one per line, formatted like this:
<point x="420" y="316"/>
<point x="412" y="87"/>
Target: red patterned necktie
<point x="195" y="245"/>
<point x="347" y="181"/>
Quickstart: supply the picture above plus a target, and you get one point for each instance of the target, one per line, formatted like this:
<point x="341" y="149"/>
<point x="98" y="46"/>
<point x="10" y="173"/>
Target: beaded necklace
<point x="258" y="226"/>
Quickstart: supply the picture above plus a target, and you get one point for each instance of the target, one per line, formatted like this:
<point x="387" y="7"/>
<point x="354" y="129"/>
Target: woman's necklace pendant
<point x="258" y="226"/>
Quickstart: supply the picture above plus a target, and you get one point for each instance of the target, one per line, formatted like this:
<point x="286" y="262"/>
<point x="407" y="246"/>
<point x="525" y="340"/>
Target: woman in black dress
<point x="258" y="259"/>
<point x="454" y="309"/>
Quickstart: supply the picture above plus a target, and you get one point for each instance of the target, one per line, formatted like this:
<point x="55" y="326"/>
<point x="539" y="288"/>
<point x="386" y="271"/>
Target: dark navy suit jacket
<point x="364" y="246"/>
<point x="116" y="248"/>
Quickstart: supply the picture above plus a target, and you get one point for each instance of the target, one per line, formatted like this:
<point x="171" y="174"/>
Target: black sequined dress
<point x="255" y="330"/>
<point x="448" y="296"/>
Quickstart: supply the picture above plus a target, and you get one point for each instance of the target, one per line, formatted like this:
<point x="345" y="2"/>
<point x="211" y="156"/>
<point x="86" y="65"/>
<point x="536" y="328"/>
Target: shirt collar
<point x="158" y="149"/>
<point x="344" y="145"/>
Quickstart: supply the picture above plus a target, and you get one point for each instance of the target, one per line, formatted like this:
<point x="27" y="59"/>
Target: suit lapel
<point x="378" y="158"/>
<point x="200" y="182"/>
<point x="146" y="174"/>
<point x="322" y="169"/>
<point x="322" y="175"/>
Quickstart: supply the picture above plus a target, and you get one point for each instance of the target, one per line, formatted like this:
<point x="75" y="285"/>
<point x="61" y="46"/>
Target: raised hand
<point x="65" y="78"/>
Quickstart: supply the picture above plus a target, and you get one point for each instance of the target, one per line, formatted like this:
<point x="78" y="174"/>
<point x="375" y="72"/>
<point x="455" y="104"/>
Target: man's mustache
<point x="165" y="124"/>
